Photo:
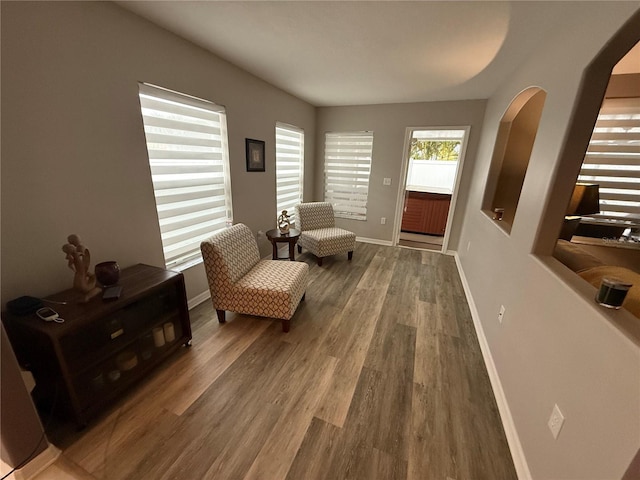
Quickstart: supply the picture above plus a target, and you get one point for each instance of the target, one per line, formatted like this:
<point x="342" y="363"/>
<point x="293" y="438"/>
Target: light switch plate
<point x="386" y="181"/>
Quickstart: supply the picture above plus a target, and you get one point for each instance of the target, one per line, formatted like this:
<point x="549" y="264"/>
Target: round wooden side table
<point x="291" y="238"/>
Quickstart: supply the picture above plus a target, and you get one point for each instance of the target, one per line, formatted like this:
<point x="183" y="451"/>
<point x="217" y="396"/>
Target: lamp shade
<point x="585" y="199"/>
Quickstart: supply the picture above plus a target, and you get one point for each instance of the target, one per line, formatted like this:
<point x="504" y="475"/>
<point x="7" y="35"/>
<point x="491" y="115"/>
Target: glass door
<point x="432" y="163"/>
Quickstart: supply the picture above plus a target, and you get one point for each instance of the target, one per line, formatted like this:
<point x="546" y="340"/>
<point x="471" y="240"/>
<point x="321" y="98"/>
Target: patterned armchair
<point x="240" y="282"/>
<point x="319" y="232"/>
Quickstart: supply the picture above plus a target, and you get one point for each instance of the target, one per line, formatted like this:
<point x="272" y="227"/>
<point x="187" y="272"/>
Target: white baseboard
<point x="375" y="241"/>
<point x="198" y="299"/>
<point x="517" y="453"/>
<point x="37" y="465"/>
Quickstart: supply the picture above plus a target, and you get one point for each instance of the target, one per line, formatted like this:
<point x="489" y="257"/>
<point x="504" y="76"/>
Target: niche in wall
<point x="514" y="143"/>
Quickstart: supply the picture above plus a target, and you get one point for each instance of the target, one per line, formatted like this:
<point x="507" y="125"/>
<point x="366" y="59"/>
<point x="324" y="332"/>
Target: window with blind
<point x="189" y="161"/>
<point x="613" y="161"/>
<point x="289" y="168"/>
<point x="347" y="166"/>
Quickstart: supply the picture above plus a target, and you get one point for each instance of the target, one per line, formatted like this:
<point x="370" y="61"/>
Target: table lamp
<point x="585" y="200"/>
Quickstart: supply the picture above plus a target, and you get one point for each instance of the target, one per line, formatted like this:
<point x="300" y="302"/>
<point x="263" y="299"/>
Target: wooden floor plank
<point x="316" y="452"/>
<point x="427" y="355"/>
<point x="280" y="448"/>
<point x="349" y="343"/>
<point x="177" y="388"/>
<point x="228" y="464"/>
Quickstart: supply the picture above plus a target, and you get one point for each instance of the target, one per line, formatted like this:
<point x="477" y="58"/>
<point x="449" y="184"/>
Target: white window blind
<point x="189" y="159"/>
<point x="289" y="168"/>
<point x="613" y="161"/>
<point x="347" y="166"/>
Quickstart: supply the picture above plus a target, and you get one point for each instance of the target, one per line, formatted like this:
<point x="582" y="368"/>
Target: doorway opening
<point x="431" y="169"/>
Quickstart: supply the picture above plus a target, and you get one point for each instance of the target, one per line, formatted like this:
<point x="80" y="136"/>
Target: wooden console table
<point x="103" y="347"/>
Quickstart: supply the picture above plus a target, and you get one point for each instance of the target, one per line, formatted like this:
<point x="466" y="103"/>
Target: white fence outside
<point x="432" y="175"/>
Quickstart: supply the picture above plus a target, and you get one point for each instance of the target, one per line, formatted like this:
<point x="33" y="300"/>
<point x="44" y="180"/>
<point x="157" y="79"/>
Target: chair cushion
<point x="313" y="215"/>
<point x="327" y="241"/>
<point x="272" y="288"/>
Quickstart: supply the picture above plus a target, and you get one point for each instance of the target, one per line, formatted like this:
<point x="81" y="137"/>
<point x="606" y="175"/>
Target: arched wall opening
<point x="512" y="151"/>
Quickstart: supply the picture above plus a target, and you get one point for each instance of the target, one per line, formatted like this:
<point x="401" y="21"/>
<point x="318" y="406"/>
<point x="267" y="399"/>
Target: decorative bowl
<point x="107" y="273"/>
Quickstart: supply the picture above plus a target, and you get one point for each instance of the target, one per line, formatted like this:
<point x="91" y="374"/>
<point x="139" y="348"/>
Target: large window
<point x="613" y="161"/>
<point x="347" y="166"/>
<point x="189" y="160"/>
<point x="289" y="168"/>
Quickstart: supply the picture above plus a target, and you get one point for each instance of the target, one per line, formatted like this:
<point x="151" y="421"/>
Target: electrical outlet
<point x="556" y="420"/>
<point x="386" y="181"/>
<point x="260" y="234"/>
<point x="501" y="313"/>
<point x="383" y="221"/>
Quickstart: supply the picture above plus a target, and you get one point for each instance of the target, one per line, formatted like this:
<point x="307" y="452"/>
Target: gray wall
<point x="388" y="124"/>
<point x="73" y="149"/>
<point x="555" y="345"/>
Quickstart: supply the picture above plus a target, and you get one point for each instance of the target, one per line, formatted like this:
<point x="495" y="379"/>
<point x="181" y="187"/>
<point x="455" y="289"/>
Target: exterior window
<point x="189" y="160"/>
<point x="433" y="160"/>
<point x="613" y="161"/>
<point x="347" y="166"/>
<point x="289" y="168"/>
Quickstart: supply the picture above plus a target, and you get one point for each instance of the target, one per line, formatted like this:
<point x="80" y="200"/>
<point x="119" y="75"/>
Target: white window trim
<point x="188" y="154"/>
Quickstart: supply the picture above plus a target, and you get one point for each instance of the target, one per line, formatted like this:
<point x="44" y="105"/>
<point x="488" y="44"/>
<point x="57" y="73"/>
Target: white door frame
<point x="403" y="181"/>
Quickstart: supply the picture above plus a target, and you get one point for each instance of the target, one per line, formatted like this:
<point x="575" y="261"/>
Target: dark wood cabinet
<point x="103" y="347"/>
<point x="425" y="212"/>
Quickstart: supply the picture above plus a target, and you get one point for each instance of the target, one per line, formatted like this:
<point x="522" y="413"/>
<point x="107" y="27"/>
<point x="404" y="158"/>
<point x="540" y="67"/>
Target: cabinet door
<point x="436" y="211"/>
<point x="412" y="216"/>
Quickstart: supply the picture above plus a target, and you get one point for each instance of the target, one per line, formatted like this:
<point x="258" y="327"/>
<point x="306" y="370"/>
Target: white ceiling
<point x="367" y="52"/>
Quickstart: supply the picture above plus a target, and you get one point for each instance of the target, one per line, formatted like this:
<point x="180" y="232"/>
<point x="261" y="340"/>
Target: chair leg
<point x="350" y="255"/>
<point x="299" y="249"/>
<point x="221" y="318"/>
<point x="319" y="261"/>
<point x="285" y="325"/>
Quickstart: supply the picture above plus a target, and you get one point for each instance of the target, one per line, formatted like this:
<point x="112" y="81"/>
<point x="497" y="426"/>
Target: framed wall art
<point x="255" y="155"/>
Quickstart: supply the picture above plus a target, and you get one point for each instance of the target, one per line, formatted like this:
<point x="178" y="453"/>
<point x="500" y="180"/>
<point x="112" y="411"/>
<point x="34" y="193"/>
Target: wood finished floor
<point x="380" y="377"/>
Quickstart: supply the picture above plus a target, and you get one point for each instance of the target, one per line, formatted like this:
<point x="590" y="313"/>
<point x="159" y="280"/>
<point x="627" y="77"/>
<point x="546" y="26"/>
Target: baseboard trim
<point x="375" y="241"/>
<point x="517" y="453"/>
<point x="198" y="299"/>
<point x="37" y="465"/>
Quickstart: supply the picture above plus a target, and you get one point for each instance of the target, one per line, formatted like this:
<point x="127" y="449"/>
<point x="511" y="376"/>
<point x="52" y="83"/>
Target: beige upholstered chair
<point x="319" y="234"/>
<point x="240" y="282"/>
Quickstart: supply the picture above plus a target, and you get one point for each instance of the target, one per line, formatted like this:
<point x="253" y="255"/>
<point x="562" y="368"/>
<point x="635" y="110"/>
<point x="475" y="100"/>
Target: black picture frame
<point x="255" y="155"/>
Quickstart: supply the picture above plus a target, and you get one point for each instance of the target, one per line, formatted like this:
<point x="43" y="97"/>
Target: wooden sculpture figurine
<point x="283" y="223"/>
<point x="79" y="258"/>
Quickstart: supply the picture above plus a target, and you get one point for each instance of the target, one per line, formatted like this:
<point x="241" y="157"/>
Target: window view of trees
<point x="447" y="150"/>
